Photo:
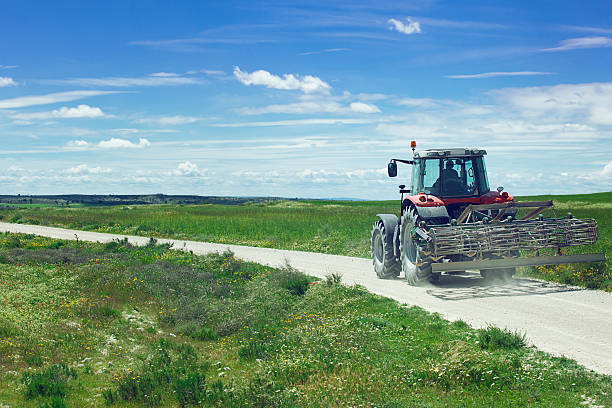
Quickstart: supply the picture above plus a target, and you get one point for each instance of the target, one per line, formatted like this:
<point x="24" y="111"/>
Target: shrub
<point x="172" y="367"/>
<point x="199" y="333"/>
<point x="56" y="402"/>
<point x="8" y="328"/>
<point x="34" y="360"/>
<point x="52" y="381"/>
<point x="333" y="279"/>
<point x="493" y="338"/>
<point x="61" y="255"/>
<point x="291" y="279"/>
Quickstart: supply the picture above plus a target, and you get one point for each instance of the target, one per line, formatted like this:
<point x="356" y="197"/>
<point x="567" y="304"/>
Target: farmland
<point x="333" y="227"/>
<point x="85" y="324"/>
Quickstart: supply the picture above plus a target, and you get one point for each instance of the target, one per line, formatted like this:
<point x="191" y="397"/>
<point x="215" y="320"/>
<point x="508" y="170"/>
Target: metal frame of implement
<point x="476" y="240"/>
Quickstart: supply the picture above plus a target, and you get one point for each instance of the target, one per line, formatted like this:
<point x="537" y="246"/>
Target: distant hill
<point x="107" y="200"/>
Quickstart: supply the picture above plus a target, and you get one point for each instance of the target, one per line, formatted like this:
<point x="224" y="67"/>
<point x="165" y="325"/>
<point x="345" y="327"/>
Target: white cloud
<point x="170" y="120"/>
<point x="112" y="143"/>
<point x="47" y="99"/>
<point x="81" y="111"/>
<point x="160" y="79"/>
<point x="8" y="66"/>
<point x="363" y="107"/>
<point x="499" y="74"/>
<point x="78" y="143"/>
<point x="308" y="107"/>
<point x="582" y="42"/>
<point x="366" y="173"/>
<point x="6" y="81"/>
<point x="188" y="168"/>
<point x="306" y="84"/>
<point x="297" y="108"/>
<point x="591" y="102"/>
<point x="413" y="27"/>
<point x="82" y="169"/>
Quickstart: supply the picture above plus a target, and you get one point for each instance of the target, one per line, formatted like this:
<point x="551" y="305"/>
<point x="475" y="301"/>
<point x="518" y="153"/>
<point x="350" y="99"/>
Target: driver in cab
<point x="452" y="182"/>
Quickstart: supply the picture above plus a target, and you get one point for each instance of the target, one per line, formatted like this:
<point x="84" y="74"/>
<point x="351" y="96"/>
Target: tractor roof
<point x="459" y="152"/>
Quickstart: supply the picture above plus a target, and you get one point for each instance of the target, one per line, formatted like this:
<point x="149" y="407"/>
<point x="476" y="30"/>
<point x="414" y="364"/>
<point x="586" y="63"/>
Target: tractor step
<point x="514" y="262"/>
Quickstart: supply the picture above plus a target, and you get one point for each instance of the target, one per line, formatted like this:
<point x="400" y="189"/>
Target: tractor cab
<point x="450" y="173"/>
<point x="449" y="178"/>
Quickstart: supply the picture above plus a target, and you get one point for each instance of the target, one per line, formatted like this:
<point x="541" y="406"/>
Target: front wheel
<point x="415" y="268"/>
<point x="383" y="258"/>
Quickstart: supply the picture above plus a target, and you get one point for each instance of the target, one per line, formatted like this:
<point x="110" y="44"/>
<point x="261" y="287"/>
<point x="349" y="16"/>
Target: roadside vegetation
<point x="333" y="227"/>
<point x="84" y="324"/>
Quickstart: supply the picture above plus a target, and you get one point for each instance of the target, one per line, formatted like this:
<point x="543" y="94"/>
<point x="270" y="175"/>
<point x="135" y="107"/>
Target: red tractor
<point x="451" y="221"/>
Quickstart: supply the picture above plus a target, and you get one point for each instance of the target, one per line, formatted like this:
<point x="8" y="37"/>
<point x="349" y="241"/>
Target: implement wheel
<point x="385" y="264"/>
<point x="498" y="274"/>
<point x="502" y="274"/>
<point x="415" y="268"/>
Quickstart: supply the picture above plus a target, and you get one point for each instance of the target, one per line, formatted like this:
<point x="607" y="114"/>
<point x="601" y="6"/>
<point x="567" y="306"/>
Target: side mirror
<point x="392" y="169"/>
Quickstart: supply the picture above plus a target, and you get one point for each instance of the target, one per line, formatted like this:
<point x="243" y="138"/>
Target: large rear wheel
<point x="414" y="266"/>
<point x="383" y="258"/>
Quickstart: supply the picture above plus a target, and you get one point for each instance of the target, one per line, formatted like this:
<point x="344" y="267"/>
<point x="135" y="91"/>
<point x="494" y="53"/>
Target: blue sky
<point x="300" y="99"/>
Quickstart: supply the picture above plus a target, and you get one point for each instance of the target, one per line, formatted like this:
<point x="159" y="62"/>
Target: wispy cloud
<point x="169" y="120"/>
<point x="229" y="34"/>
<point x="81" y="111"/>
<point x="325" y="51"/>
<point x="582" y="42"/>
<point x="212" y="72"/>
<point x="306" y="83"/>
<point x="472" y="25"/>
<point x="157" y="79"/>
<point x="422" y="102"/>
<point x="596" y="30"/>
<point x="309" y="107"/>
<point x="499" y="74"/>
<point x="164" y="74"/>
<point x="298" y="122"/>
<point x="8" y="66"/>
<point x="7" y="81"/>
<point x="413" y="27"/>
<point x="47" y="99"/>
<point x="112" y="143"/>
<point x="591" y="102"/>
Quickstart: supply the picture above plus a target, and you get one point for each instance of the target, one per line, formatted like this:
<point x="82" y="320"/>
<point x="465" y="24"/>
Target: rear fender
<point x="433" y="208"/>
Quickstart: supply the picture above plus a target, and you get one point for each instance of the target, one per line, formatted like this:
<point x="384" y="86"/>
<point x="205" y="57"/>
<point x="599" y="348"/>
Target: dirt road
<point x="560" y="319"/>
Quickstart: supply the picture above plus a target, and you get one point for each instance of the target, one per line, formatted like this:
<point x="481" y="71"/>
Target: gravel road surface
<point x="559" y="319"/>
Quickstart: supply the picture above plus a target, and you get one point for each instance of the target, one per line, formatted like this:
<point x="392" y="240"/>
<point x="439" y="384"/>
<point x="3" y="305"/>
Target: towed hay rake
<point x="453" y="222"/>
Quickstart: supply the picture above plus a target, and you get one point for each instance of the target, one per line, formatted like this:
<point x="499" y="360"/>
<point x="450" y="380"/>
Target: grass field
<point x="334" y="227"/>
<point x="85" y="324"/>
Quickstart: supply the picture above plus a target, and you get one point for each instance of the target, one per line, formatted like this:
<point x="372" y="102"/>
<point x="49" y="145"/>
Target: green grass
<point x="333" y="227"/>
<point x="85" y="324"/>
<point x="596" y="275"/>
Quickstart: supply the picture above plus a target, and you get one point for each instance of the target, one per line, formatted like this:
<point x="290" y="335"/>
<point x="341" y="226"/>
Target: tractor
<point x="450" y="221"/>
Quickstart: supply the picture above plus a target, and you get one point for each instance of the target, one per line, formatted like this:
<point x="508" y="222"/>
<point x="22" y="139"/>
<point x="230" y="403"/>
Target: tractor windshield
<point x="453" y="177"/>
